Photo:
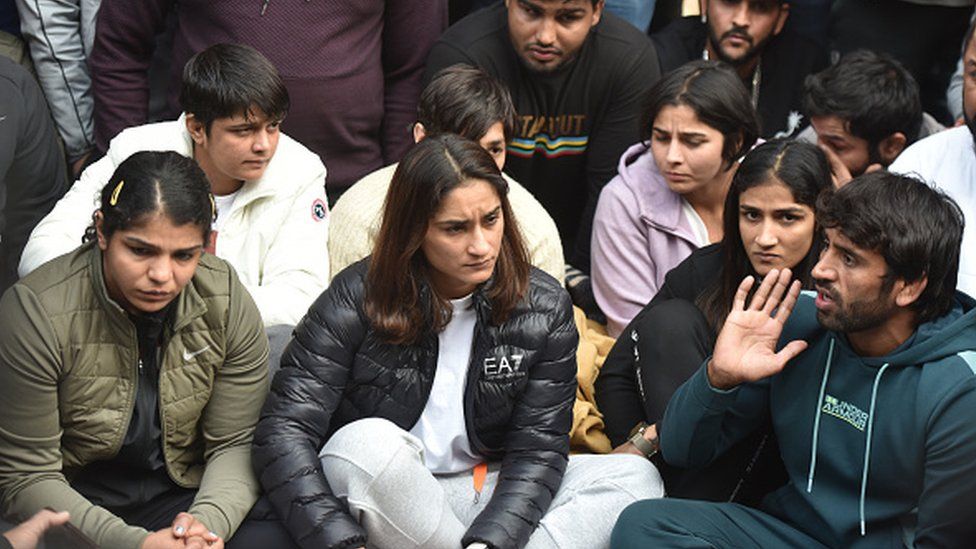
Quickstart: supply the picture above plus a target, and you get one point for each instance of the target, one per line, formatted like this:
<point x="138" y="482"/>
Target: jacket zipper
<point x="131" y="404"/>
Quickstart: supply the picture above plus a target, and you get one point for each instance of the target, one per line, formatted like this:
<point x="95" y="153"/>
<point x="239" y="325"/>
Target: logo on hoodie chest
<point x="845" y="411"/>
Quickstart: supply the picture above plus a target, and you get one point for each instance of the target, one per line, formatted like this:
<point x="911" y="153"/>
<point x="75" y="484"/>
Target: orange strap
<point x="480" y="473"/>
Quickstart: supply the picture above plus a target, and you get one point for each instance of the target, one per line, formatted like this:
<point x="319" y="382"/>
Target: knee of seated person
<point x="635" y="521"/>
<point x="371" y="438"/>
<point x="640" y="477"/>
<point x="634" y="468"/>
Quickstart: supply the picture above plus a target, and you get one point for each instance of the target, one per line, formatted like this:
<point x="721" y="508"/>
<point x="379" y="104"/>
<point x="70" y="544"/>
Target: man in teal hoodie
<point x="873" y="398"/>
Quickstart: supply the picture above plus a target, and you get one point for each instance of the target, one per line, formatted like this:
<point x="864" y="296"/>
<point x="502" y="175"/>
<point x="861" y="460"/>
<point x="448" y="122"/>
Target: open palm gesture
<point x="746" y="347"/>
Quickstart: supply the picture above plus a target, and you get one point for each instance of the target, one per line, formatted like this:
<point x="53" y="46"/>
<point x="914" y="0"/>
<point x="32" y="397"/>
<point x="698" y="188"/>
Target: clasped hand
<point x="186" y="532"/>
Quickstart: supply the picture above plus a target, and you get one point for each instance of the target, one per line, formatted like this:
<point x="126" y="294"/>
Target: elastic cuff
<point x="711" y="398"/>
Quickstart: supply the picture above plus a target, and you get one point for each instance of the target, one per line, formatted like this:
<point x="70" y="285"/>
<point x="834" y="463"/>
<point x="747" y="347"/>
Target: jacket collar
<point x="189" y="304"/>
<point x="658" y="206"/>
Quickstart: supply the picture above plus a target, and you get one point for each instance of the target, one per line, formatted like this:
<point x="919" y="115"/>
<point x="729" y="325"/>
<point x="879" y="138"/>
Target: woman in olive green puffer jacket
<point x="132" y="372"/>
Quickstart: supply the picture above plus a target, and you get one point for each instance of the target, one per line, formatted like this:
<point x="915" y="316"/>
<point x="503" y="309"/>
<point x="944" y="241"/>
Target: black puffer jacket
<point x="337" y="370"/>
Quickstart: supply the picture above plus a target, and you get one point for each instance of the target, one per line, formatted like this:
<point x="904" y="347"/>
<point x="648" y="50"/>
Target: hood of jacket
<point x="657" y="205"/>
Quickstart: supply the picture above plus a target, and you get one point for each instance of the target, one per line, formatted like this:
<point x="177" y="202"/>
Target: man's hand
<point x="838" y="170"/>
<point x="745" y="350"/>
<point x="79" y="165"/>
<point x="28" y="534"/>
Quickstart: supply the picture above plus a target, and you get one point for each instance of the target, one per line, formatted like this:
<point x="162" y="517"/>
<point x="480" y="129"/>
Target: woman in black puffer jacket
<point x="443" y="351"/>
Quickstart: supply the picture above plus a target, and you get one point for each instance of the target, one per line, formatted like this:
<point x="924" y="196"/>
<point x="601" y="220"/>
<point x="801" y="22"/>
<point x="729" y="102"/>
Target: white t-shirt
<point x="441" y="426"/>
<point x="224" y="204"/>
<point x="698" y="228"/>
<point x="947" y="160"/>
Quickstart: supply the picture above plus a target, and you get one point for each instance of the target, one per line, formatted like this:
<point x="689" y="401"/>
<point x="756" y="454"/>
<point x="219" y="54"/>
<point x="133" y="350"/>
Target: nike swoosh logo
<point x="188" y="356"/>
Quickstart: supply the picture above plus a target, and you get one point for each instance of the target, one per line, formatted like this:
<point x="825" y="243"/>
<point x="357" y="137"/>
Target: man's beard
<point x="754" y="50"/>
<point x="874" y="157"/>
<point x="859" y="315"/>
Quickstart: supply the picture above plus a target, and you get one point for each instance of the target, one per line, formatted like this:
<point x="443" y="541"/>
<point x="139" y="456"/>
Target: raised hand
<point x="745" y="350"/>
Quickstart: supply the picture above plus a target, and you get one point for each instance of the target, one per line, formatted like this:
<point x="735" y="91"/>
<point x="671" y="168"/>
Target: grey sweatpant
<point x="378" y="469"/>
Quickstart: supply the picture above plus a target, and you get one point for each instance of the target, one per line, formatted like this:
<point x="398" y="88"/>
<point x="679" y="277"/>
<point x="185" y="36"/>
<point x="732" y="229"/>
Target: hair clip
<point x="114" y="199"/>
<point x="213" y="206"/>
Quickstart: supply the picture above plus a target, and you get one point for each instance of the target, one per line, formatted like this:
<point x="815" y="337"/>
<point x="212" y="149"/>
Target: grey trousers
<point x="378" y="469"/>
<point x="278" y="337"/>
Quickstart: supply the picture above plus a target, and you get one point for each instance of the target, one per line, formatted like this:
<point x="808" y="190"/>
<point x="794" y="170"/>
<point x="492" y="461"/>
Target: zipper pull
<point x="140" y="366"/>
<point x="479" y="474"/>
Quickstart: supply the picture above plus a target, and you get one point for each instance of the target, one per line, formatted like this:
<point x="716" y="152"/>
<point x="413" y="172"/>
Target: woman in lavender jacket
<point x="668" y="195"/>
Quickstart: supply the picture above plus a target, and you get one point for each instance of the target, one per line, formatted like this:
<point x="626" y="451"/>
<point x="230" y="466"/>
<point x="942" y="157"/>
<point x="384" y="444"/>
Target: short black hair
<point x="717" y="95"/>
<point x="916" y="228"/>
<point x="466" y="101"/>
<point x="150" y="182"/>
<point x="226" y="80"/>
<point x="872" y="91"/>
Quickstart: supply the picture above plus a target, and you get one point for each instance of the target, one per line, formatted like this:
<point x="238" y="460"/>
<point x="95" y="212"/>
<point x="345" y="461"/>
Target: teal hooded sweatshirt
<point x="880" y="451"/>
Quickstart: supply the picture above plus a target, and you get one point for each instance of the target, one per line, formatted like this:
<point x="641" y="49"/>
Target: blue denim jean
<point x="635" y="12"/>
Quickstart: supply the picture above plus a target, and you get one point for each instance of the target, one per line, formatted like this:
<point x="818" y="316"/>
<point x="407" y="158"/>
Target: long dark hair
<point x="719" y="99"/>
<point x="400" y="302"/>
<point x="804" y="170"/>
<point x="152" y="181"/>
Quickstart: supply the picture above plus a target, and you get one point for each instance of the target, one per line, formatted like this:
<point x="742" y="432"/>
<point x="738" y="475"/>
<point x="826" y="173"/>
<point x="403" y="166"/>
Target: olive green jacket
<point x="68" y="379"/>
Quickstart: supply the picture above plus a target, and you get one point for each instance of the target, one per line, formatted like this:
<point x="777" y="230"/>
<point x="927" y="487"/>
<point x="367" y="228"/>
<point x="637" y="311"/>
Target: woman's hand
<point x="185" y="526"/>
<point x="27" y="534"/>
<point x="164" y="539"/>
<point x="186" y="532"/>
<point x="650" y="433"/>
<point x="627" y="448"/>
<point x="745" y="350"/>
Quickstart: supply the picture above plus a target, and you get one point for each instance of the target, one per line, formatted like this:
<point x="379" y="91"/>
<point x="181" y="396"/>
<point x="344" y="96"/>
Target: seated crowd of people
<point x="541" y="278"/>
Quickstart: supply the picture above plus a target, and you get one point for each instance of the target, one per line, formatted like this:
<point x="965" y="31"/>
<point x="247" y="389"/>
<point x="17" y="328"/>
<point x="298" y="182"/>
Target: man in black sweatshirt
<point x="577" y="76"/>
<point x="747" y="34"/>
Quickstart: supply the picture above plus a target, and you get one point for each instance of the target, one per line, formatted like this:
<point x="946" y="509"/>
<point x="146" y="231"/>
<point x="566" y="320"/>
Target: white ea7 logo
<point x="503" y="365"/>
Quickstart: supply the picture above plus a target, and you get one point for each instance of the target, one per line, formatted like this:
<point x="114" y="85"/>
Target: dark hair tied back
<point x="714" y="91"/>
<point x="151" y="182"/>
<point x="803" y="169"/>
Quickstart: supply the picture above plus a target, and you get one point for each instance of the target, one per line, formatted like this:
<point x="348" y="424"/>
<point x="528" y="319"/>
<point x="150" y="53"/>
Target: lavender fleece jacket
<point x="639" y="234"/>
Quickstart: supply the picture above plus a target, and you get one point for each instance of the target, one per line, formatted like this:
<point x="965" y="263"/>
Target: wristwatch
<point x="646" y="447"/>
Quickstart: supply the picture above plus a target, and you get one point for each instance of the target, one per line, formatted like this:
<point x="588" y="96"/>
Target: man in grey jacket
<point x="60" y="36"/>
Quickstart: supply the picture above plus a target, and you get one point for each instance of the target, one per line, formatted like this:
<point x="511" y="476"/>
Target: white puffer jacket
<point x="275" y="235"/>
